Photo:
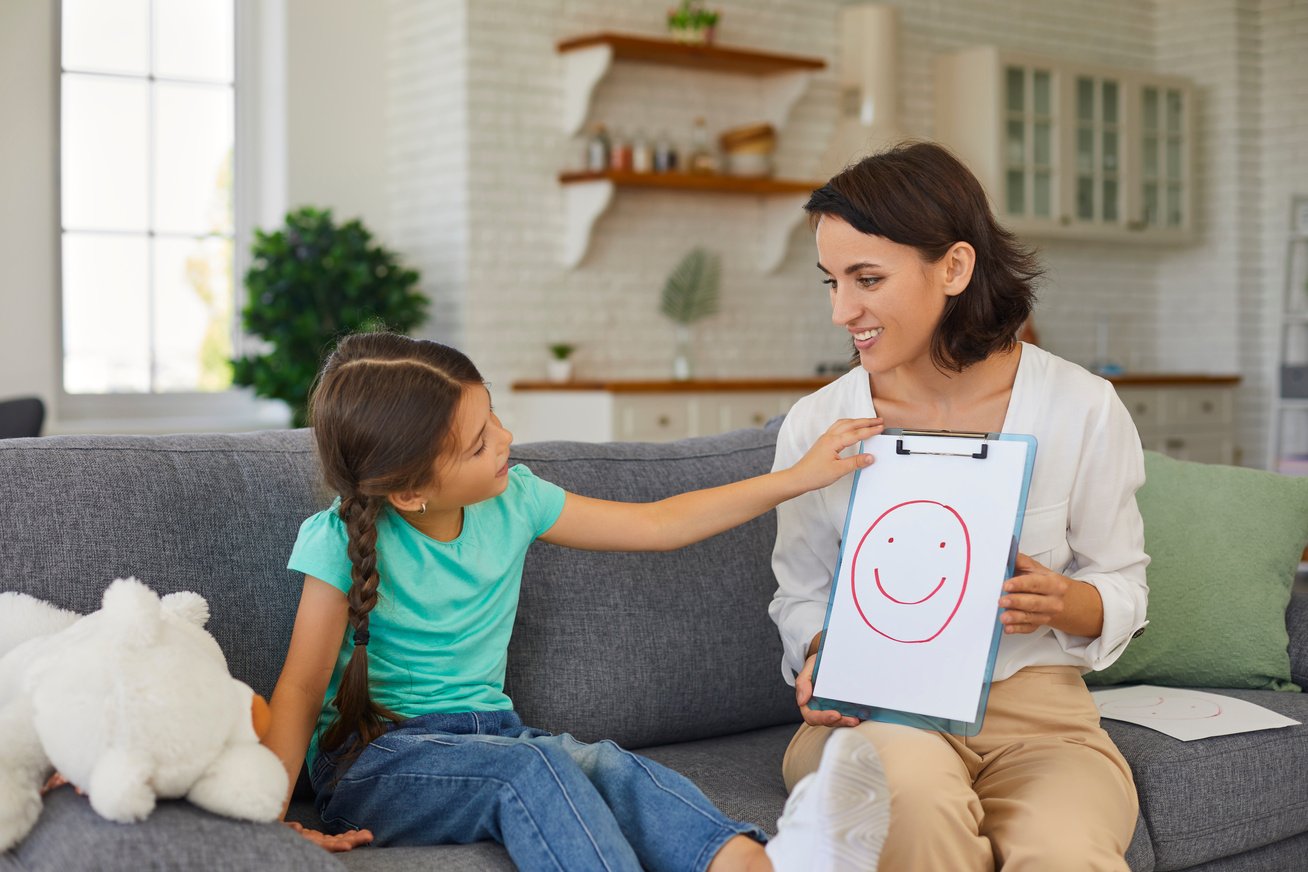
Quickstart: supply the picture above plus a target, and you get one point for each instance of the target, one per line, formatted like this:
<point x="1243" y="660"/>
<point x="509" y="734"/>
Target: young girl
<point x="932" y="293"/>
<point x="393" y="682"/>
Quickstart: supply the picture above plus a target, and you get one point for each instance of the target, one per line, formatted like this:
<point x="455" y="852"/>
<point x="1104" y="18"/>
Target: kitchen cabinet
<point x="1186" y="417"/>
<point x="782" y="79"/>
<point x="648" y="411"/>
<point x="1068" y="150"/>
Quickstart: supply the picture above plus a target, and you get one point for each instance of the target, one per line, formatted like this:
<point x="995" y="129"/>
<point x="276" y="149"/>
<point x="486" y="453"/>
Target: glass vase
<point x="681" y="356"/>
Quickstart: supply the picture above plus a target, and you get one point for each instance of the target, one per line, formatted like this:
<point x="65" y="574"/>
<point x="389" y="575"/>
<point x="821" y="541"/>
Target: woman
<point x="933" y="293"/>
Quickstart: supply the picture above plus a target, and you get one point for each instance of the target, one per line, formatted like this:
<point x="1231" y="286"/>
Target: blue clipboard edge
<point x="913" y="719"/>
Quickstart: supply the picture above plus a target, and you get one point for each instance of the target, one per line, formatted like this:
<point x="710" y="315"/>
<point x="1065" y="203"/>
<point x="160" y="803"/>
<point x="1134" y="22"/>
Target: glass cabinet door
<point x="1163" y="173"/>
<point x="1029" y="145"/>
<point x="1098" y="150"/>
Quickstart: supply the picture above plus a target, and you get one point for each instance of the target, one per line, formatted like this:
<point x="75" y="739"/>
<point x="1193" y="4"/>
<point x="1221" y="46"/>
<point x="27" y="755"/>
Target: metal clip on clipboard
<point x="979" y="455"/>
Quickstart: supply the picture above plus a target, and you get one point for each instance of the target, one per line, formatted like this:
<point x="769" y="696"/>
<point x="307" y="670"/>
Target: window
<point x="148" y="133"/>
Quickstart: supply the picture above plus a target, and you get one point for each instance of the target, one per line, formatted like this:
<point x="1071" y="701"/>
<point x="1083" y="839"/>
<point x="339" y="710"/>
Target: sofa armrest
<point x="1296" y="624"/>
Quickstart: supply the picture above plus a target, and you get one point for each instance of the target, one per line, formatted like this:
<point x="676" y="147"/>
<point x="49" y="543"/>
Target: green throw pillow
<point x="1225" y="543"/>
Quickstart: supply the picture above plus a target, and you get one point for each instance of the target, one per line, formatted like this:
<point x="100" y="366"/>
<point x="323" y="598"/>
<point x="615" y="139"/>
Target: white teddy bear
<point x="129" y="703"/>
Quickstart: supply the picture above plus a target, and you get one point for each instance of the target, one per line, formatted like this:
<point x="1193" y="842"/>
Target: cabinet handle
<point x="663" y="420"/>
<point x="758" y="419"/>
<point x="1207" y="406"/>
<point x="1174" y="444"/>
<point x="1141" y="408"/>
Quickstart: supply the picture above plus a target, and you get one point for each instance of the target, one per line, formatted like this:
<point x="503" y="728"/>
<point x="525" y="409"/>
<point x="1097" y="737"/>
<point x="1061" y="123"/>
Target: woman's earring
<point x="422" y="509"/>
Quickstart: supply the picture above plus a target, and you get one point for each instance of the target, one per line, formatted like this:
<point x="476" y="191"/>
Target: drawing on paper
<point x="1162" y="707"/>
<point x="909" y="572"/>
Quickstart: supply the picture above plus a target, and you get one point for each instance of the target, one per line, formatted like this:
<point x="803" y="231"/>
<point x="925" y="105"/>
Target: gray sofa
<point x="672" y="654"/>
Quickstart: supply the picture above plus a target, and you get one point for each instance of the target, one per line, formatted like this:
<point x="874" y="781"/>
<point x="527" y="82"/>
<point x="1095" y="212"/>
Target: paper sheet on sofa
<point x="1186" y="714"/>
<point x="927" y="542"/>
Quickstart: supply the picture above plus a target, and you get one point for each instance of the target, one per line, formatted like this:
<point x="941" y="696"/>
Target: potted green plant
<point x="692" y="23"/>
<point x="559" y="366"/>
<point x="308" y="284"/>
<point x="690" y="294"/>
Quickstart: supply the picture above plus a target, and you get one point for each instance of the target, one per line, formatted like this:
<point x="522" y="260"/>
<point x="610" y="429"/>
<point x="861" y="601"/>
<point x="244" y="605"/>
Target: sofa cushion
<point x="1225" y="795"/>
<point x="1225" y="543"/>
<point x="176" y="835"/>
<point x="651" y="648"/>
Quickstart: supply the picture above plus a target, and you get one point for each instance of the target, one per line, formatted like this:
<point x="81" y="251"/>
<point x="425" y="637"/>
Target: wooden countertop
<point x="664" y="386"/>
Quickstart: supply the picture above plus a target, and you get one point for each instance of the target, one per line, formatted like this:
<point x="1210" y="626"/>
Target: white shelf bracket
<point x="780" y="215"/>
<point x="583" y="202"/>
<point x="582" y="70"/>
<point x="780" y="92"/>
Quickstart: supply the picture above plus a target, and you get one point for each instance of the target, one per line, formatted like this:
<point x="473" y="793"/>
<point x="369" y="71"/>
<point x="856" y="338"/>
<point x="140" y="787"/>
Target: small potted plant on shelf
<point x="559" y="367"/>
<point x="690" y="293"/>
<point x="692" y="23"/>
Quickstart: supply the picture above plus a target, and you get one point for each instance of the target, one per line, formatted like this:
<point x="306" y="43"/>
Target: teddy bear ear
<point x="132" y="610"/>
<point x="187" y="606"/>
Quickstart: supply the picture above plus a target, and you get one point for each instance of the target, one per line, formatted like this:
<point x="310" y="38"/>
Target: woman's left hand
<point x="1035" y="597"/>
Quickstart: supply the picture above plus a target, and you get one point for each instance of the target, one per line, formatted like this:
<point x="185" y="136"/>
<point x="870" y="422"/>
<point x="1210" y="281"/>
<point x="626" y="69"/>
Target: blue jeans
<point x="553" y="802"/>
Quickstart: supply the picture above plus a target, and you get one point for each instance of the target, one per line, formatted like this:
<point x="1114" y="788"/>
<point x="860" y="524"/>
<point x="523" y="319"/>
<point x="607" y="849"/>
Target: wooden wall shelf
<point x="587" y="195"/>
<point x="695" y="182"/>
<point x="644" y="49"/>
<point x="781" y="80"/>
<point x="586" y="60"/>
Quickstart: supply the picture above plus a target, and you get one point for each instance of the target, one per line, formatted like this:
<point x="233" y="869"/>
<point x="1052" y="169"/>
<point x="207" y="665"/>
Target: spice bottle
<point x="642" y="153"/>
<point x="620" y="153"/>
<point x="665" y="155"/>
<point x="597" y="150"/>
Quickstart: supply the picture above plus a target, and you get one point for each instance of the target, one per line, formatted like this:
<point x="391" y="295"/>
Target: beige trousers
<point x="1041" y="787"/>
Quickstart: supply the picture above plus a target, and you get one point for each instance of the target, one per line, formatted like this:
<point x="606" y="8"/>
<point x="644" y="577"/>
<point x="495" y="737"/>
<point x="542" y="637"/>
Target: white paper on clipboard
<point x="928" y="541"/>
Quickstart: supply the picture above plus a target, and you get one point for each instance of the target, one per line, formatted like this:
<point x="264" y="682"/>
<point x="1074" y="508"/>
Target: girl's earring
<point x="422" y="509"/>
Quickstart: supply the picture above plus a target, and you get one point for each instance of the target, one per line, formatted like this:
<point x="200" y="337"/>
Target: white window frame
<point x="259" y="200"/>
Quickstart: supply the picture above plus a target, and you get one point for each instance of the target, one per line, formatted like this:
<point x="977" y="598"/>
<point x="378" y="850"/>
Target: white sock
<point x="836" y="818"/>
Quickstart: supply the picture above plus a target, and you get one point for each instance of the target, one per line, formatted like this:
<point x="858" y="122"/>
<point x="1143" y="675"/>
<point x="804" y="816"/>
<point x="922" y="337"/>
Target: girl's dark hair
<point x="919" y="194"/>
<point x="382" y="411"/>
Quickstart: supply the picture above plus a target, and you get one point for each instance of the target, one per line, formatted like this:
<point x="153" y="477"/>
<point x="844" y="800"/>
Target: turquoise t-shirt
<point x="439" y="634"/>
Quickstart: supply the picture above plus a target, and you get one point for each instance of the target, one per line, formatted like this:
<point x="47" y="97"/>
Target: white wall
<point x="1283" y="140"/>
<point x="1200" y="308"/>
<point x="28" y="206"/>
<point x="337" y="126"/>
<point x="517" y="298"/>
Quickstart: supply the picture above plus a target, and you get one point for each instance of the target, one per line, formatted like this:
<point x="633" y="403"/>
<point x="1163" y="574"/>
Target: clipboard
<point x="953" y="477"/>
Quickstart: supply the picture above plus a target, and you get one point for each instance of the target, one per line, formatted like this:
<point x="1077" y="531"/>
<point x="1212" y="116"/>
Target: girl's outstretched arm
<point x="604" y="525"/>
<point x="297" y="699"/>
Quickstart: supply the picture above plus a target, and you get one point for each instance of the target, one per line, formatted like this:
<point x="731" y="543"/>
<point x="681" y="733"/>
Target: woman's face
<point x="885" y="294"/>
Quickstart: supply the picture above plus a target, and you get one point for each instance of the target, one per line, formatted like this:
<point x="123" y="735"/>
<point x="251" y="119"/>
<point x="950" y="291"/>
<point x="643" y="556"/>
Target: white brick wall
<point x="475" y="112"/>
<point x="427" y="152"/>
<point x="1283" y="135"/>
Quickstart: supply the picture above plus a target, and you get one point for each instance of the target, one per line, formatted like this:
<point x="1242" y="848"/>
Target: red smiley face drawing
<point x="915" y="561"/>
<point x="1168" y="708"/>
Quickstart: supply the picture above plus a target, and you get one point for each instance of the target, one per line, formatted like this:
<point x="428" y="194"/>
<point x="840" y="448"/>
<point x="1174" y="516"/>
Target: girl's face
<point x="475" y="464"/>
<point x="885" y="294"/>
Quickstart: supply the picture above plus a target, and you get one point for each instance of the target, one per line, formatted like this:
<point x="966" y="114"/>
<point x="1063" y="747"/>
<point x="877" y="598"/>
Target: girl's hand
<point x="804" y="693"/>
<point x="823" y="464"/>
<point x="1035" y="597"/>
<point x="347" y="841"/>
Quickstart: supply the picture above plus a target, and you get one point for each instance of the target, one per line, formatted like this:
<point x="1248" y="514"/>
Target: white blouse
<point x="1081" y="517"/>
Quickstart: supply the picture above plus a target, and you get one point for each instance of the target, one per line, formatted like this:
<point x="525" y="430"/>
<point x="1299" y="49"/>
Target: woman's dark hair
<point x="919" y="194"/>
<point x="382" y="411"/>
